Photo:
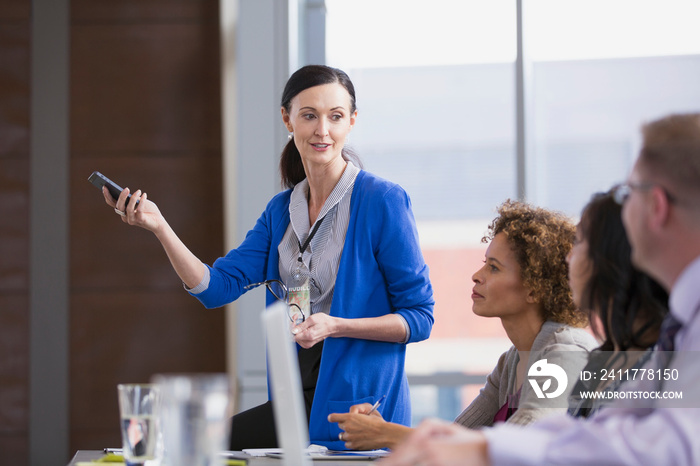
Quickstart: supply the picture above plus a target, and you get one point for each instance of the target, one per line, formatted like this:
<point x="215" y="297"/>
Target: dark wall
<point x="14" y="230"/>
<point x="145" y="111"/>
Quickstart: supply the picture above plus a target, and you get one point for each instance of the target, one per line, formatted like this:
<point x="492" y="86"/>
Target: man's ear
<point x="659" y="207"/>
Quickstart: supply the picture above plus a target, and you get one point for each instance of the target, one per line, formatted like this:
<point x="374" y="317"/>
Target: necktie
<point x="669" y="329"/>
<point x="665" y="343"/>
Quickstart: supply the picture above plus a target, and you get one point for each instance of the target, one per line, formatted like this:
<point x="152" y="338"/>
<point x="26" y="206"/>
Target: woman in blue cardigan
<point x="344" y="244"/>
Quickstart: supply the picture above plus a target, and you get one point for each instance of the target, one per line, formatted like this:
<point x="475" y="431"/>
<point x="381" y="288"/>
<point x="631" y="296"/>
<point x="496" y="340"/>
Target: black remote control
<point x="99" y="180"/>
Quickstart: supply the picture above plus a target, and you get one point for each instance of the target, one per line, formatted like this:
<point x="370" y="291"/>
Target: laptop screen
<point x="290" y="415"/>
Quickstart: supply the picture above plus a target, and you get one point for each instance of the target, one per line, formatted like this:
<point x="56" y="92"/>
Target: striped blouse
<point x="322" y="256"/>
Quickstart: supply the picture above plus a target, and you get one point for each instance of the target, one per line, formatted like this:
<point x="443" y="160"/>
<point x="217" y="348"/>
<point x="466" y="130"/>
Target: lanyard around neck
<point x="302" y="247"/>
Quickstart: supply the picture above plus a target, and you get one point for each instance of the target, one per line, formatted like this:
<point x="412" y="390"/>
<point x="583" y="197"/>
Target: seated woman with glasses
<point x="340" y="246"/>
<point x="625" y="306"/>
<point x="524" y="283"/>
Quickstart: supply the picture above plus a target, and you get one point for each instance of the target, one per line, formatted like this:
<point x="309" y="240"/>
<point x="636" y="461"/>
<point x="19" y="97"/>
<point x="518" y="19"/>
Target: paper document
<point x="313" y="449"/>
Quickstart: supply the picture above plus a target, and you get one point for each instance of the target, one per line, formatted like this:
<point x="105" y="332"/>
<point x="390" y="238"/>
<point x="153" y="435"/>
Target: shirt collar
<point x="684" y="300"/>
<point x="299" y="204"/>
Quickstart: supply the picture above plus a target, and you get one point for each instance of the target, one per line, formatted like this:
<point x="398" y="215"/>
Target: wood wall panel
<point x="12" y="10"/>
<point x="109" y="254"/>
<point x="14" y="225"/>
<point x="15" y="449"/>
<point x="144" y="88"/>
<point x="139" y="10"/>
<point x="14" y="366"/>
<point x="14" y="230"/>
<point x="145" y="111"/>
<point x="14" y="88"/>
<point x="127" y="336"/>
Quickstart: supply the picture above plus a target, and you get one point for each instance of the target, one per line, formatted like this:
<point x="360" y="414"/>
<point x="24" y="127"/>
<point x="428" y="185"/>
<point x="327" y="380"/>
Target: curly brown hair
<point x="541" y="239"/>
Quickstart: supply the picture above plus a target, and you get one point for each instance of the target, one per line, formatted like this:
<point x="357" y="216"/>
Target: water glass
<point x="138" y="409"/>
<point x="194" y="415"/>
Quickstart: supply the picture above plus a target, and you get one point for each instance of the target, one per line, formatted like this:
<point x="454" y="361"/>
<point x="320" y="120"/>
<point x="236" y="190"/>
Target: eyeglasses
<point x="279" y="291"/>
<point x="621" y="192"/>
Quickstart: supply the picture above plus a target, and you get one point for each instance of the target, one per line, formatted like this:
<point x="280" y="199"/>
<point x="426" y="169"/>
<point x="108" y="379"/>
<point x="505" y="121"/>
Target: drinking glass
<point x="194" y="416"/>
<point x="138" y="408"/>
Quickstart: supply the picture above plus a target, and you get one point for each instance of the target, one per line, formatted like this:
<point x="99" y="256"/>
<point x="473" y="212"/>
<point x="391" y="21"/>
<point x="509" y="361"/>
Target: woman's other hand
<point x="320" y="326"/>
<point x="314" y="329"/>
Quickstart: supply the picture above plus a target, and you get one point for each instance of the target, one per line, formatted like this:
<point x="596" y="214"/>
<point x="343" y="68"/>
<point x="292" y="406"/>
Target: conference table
<point x="88" y="456"/>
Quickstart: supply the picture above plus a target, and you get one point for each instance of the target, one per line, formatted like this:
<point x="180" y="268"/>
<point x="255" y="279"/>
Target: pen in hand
<point x="376" y="405"/>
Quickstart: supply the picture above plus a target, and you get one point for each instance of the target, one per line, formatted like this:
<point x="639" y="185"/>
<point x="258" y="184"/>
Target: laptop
<point x="292" y="428"/>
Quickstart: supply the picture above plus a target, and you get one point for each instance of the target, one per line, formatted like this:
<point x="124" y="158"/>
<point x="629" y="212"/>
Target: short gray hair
<point x="671" y="149"/>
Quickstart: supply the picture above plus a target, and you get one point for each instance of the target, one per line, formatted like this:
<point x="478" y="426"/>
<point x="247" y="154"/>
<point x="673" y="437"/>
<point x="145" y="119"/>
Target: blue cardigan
<point x="381" y="271"/>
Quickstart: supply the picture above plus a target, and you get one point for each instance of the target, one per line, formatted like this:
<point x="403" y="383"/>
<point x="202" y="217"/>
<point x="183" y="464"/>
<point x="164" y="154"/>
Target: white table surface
<point x="92" y="455"/>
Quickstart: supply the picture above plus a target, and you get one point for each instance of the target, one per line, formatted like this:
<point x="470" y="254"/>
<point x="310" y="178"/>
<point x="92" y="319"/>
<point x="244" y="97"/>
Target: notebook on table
<point x="290" y="422"/>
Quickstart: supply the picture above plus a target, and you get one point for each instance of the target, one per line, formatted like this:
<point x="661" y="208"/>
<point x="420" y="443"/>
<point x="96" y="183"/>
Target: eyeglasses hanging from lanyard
<point x="279" y="291"/>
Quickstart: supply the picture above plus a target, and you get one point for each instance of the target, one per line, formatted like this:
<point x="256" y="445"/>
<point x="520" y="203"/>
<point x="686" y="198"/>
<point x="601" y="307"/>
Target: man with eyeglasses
<point x="661" y="214"/>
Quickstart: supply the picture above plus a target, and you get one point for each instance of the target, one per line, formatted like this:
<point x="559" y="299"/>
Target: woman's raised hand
<point x="145" y="215"/>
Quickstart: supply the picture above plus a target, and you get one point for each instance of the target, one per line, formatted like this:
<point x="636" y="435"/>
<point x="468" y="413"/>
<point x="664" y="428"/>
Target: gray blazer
<point x="558" y="343"/>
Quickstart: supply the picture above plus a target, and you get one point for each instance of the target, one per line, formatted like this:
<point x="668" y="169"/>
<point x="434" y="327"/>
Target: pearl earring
<point x="290" y="136"/>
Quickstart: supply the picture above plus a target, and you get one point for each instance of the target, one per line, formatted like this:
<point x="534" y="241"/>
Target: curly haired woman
<point x="524" y="282"/>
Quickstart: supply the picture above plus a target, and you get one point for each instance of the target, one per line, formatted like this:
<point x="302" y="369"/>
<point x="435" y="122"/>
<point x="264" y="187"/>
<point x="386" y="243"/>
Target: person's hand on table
<point x="362" y="431"/>
<point x="440" y="443"/>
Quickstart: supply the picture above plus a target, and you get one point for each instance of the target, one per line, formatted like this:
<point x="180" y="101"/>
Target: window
<point x="437" y="116"/>
<point x="436" y="96"/>
<point x="600" y="69"/>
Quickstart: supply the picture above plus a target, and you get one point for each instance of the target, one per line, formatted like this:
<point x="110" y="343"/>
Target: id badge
<point x="301" y="296"/>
